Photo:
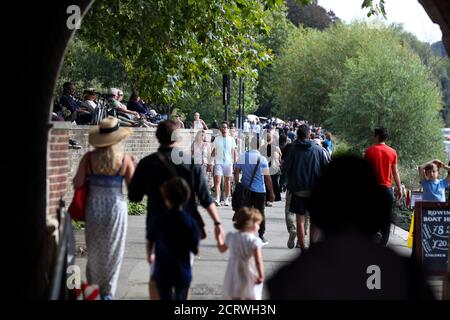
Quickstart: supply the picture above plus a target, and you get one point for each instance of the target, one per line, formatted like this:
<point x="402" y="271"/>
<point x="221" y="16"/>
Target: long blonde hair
<point x="108" y="160"/>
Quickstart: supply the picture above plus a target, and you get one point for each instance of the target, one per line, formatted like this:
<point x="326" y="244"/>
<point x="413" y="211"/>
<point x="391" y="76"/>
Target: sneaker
<point x="217" y="202"/>
<point x="291" y="240"/>
<point x="264" y="241"/>
<point x="268" y="204"/>
<point x="227" y="202"/>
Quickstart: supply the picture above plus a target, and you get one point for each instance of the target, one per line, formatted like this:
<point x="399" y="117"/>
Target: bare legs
<point x="217" y="183"/>
<point x="227" y="187"/>
<point x="300" y="219"/>
<point x="301" y="231"/>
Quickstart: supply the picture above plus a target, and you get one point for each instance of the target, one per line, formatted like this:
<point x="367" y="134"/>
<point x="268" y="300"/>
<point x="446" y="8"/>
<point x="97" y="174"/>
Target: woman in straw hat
<point x="106" y="208"/>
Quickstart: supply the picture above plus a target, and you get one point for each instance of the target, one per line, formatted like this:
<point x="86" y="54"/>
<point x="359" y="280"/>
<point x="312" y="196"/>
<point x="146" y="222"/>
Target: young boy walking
<point x="174" y="239"/>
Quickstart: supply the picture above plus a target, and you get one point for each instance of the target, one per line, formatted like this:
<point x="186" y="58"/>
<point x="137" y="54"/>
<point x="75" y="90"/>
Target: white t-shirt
<point x="246" y="127"/>
<point x="257" y="128"/>
<point x="90" y="105"/>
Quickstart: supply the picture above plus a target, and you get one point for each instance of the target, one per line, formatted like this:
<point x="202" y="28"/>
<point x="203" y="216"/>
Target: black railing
<point x="65" y="257"/>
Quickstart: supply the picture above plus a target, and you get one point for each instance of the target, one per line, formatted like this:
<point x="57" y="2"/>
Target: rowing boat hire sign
<point x="431" y="234"/>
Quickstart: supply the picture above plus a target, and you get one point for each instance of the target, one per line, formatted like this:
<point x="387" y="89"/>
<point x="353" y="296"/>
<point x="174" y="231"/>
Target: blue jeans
<point x="386" y="228"/>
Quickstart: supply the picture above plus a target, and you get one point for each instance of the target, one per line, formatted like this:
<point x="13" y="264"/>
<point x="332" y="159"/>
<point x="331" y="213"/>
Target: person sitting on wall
<point x="69" y="102"/>
<point x="136" y="104"/>
<point x="154" y="117"/>
<point x="87" y="107"/>
<point x="89" y="104"/>
<point x="121" y="109"/>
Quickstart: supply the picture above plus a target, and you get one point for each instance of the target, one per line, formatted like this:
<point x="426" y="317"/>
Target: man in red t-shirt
<point x="384" y="159"/>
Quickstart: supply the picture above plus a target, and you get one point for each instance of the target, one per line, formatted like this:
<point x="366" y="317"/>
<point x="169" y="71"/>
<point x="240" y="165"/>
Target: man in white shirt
<point x="256" y="131"/>
<point x="246" y="133"/>
<point x="246" y="127"/>
<point x="224" y="154"/>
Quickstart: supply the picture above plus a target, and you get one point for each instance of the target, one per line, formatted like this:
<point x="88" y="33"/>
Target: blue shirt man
<point x="246" y="164"/>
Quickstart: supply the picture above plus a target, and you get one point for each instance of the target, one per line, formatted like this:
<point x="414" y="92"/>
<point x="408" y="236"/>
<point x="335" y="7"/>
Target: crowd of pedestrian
<point x="269" y="159"/>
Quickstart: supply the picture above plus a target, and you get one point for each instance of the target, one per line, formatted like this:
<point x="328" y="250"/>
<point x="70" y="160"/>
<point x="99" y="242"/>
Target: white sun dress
<point x="241" y="270"/>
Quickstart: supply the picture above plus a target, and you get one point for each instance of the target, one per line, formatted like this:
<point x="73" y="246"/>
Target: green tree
<point x="310" y="16"/>
<point x="281" y="28"/>
<point x="386" y="84"/>
<point x="86" y="67"/>
<point x="312" y="63"/>
<point x="311" y="66"/>
<point x="209" y="102"/>
<point x="170" y="46"/>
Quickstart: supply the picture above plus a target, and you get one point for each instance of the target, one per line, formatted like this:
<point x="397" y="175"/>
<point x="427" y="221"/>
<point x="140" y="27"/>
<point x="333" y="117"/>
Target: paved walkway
<point x="209" y="267"/>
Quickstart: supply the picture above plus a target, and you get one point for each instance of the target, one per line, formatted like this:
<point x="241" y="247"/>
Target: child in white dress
<point x="245" y="270"/>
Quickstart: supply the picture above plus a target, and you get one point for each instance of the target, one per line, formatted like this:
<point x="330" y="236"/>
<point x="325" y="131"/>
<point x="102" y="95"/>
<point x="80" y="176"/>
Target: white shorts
<point x="223" y="170"/>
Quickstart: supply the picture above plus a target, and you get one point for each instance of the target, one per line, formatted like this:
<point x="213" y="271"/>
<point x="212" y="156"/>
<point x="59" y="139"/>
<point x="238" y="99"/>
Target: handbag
<point x="192" y="207"/>
<point x="77" y="206"/>
<point x="241" y="195"/>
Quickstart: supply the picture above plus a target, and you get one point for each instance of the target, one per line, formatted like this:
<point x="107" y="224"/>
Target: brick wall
<point x="57" y="167"/>
<point x="62" y="161"/>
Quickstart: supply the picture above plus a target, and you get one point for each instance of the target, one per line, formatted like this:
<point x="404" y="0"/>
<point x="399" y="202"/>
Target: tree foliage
<point x="86" y="67"/>
<point x="434" y="59"/>
<point x="311" y="66"/>
<point x="281" y="29"/>
<point x="209" y="102"/>
<point x="386" y="84"/>
<point x="170" y="49"/>
<point x="310" y="16"/>
<point x="169" y="46"/>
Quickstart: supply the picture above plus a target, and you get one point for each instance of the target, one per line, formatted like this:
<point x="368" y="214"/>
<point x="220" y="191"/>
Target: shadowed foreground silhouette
<point x="349" y="208"/>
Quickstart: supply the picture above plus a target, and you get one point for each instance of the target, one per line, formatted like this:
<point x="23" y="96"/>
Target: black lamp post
<point x="226" y="88"/>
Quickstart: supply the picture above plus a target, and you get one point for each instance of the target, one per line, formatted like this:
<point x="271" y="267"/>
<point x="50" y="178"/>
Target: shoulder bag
<point x="77" y="206"/>
<point x="241" y="195"/>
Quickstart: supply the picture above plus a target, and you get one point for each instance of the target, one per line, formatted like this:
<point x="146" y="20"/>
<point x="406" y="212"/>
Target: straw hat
<point x="89" y="91"/>
<point x="108" y="133"/>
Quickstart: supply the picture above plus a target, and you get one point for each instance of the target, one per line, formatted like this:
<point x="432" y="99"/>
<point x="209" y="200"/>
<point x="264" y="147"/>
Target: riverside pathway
<point x="209" y="266"/>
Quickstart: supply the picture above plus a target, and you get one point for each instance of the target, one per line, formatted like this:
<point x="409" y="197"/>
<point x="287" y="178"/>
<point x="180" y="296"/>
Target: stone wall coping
<point x="70" y="126"/>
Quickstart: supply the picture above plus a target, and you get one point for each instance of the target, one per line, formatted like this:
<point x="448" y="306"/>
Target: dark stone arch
<point x="37" y="44"/>
<point x="34" y="48"/>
